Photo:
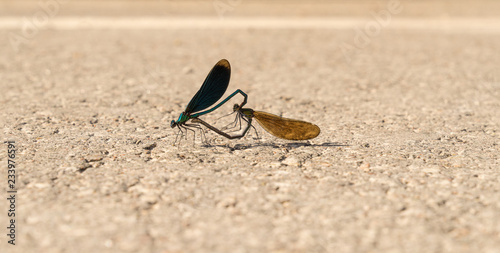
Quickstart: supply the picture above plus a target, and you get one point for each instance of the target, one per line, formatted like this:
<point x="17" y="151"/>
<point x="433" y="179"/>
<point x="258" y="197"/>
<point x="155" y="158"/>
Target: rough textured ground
<point x="407" y="160"/>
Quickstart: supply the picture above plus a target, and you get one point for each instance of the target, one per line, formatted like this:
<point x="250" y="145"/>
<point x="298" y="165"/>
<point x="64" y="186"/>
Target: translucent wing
<point x="212" y="89"/>
<point x="284" y="128"/>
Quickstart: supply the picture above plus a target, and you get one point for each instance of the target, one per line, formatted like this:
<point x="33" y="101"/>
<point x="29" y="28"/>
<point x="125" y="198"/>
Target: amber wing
<point x="284" y="128"/>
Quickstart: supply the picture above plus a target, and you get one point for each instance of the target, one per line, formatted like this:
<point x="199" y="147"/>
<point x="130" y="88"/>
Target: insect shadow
<point x="290" y="145"/>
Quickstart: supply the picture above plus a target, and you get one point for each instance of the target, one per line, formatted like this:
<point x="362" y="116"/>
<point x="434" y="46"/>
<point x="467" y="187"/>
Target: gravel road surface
<point x="407" y="99"/>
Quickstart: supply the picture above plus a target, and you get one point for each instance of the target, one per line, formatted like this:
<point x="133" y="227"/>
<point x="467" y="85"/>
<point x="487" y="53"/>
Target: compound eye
<point x="172" y="124"/>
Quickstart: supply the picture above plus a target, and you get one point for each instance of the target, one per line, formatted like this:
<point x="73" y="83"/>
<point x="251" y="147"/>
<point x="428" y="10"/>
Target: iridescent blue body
<point x="212" y="89"/>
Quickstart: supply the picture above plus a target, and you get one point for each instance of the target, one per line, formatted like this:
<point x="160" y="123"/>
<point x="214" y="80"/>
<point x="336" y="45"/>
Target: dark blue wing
<point x="213" y="87"/>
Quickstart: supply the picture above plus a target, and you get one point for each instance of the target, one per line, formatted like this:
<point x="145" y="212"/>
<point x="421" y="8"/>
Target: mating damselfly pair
<point x="213" y="88"/>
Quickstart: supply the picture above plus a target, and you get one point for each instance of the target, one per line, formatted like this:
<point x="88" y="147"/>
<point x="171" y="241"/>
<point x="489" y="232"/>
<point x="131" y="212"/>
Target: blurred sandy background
<point x="407" y="102"/>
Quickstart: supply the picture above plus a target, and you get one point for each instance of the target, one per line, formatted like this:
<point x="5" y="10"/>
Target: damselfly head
<point x="173" y="124"/>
